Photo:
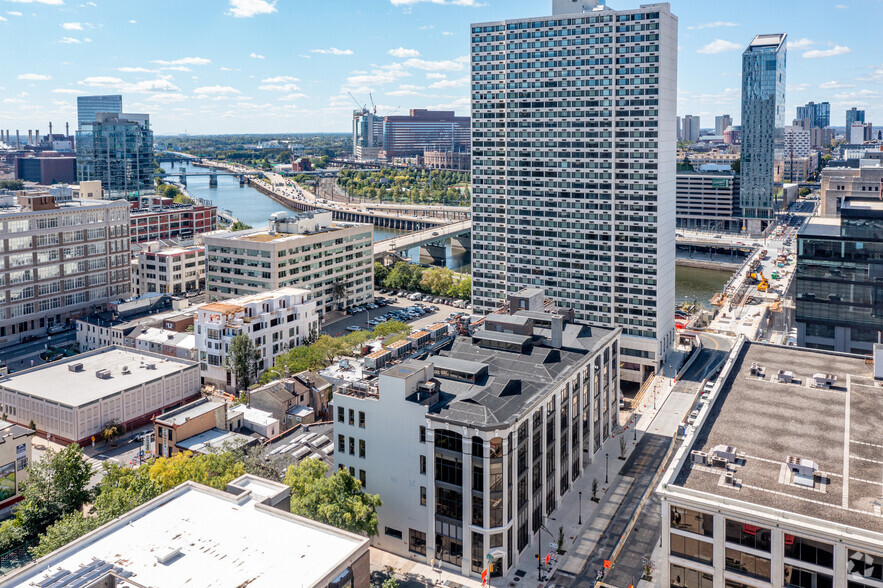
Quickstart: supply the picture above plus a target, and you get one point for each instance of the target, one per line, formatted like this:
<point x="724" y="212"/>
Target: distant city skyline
<point x="265" y="66"/>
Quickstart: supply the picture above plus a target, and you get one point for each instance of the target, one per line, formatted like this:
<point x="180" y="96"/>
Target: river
<point x="254" y="208"/>
<point x="699" y="284"/>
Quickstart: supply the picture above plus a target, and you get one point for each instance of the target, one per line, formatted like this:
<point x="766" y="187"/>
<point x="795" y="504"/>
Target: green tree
<point x="336" y="500"/>
<point x="239" y="226"/>
<point x="57" y="485"/>
<point x="437" y="280"/>
<point x="12" y="184"/>
<point x="387" y="328"/>
<point x="380" y="273"/>
<point x="737" y="166"/>
<point x="340" y="291"/>
<point x="242" y="361"/>
<point x="68" y="528"/>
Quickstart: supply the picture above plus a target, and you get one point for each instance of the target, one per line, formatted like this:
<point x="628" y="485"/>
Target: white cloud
<point x="475" y="3"/>
<point x="841" y="6"/>
<point x="280" y="80"/>
<point x="254" y="55"/>
<point x="292" y="97"/>
<point x="402" y="52"/>
<point x="799" y="87"/>
<point x="101" y="81"/>
<point x="832" y="85"/>
<point x="66" y="91"/>
<point x="446" y="65"/>
<point x="447" y="33"/>
<point x="216" y="90"/>
<point x="50" y="2"/>
<point x="719" y="46"/>
<point x="184" y="61"/>
<point x="135" y="70"/>
<point x="713" y="25"/>
<point x="34" y="77"/>
<point x="13" y="13"/>
<point x="249" y="8"/>
<point x="383" y="75"/>
<point x="148" y="86"/>
<point x="434" y="75"/>
<point x="332" y="51"/>
<point x="167" y="98"/>
<point x="2" y="19"/>
<point x="803" y="43"/>
<point x="280" y="88"/>
<point x="832" y="52"/>
<point x="444" y="84"/>
<point x="72" y="26"/>
<point x="175" y="68"/>
<point x="133" y="22"/>
<point x="74" y="40"/>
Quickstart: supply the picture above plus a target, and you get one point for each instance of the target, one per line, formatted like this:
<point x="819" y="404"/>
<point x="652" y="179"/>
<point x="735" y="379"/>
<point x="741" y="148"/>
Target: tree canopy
<point x="242" y="361"/>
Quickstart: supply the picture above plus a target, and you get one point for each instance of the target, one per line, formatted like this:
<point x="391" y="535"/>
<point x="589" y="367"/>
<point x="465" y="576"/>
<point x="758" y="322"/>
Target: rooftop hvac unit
<point x="729" y="478"/>
<point x="150" y="366"/>
<point x="75" y="367"/>
<point x="699" y="457"/>
<point x="719" y="462"/>
<point x="103" y="374"/>
<point x="125" y="369"/>
<point x="785" y="376"/>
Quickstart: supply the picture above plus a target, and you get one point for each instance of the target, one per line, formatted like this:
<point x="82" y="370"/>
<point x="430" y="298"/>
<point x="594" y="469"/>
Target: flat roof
<point x="821" y="226"/>
<point x="767" y="421"/>
<point x="181" y="415"/>
<point x="54" y="382"/>
<point x="225" y="540"/>
<point x="214" y="439"/>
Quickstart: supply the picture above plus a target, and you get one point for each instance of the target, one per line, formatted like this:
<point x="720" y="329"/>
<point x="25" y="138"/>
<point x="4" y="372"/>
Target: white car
<point x="709" y="386"/>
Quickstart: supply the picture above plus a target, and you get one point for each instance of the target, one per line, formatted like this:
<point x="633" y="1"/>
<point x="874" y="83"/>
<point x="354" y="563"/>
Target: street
<point x="361" y="319"/>
<point x="26" y="355"/>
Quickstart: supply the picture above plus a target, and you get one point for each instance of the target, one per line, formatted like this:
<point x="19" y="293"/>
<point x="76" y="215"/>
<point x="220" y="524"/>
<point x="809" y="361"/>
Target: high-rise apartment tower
<point x="573" y="167"/>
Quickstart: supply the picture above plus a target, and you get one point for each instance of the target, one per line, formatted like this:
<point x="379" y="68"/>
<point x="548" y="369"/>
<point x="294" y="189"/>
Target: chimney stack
<point x="37" y="132"/>
<point x="50" y="133"/>
<point x="67" y="130"/>
<point x="30" y="137"/>
<point x="17" y="140"/>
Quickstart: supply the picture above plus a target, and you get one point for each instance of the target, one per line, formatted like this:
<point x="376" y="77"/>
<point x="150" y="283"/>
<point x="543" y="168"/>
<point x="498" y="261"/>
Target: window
<point x="449" y="470"/>
<point x="750" y="565"/>
<point x="422" y="495"/>
<point x="449" y="503"/>
<point x="423" y="434"/>
<point x="690" y="548"/>
<point x="748" y="535"/>
<point x="362" y="450"/>
<point x="423" y="464"/>
<point x="352" y="446"/>
<point x="340" y="414"/>
<point x="417" y="541"/>
<point x="341" y="443"/>
<point x="682" y="577"/>
<point x="449" y="440"/>
<point x="352" y="417"/>
<point x="801" y="578"/>
<point x="363" y="478"/>
<point x="392" y="532"/>
<point x="866" y="565"/>
<point x="361" y="420"/>
<point x="693" y="521"/>
<point x="809" y="551"/>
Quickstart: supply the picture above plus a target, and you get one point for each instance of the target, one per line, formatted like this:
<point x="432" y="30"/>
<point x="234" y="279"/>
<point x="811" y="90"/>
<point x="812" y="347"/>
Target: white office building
<point x="797" y="142"/>
<point x="778" y="482"/>
<point x="469" y="450"/>
<point x="333" y="260"/>
<point x="173" y="270"/>
<point x="573" y="167"/>
<point x="275" y="321"/>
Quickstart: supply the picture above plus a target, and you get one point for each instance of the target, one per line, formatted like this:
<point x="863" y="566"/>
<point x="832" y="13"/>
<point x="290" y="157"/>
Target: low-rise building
<point x="708" y="200"/>
<point x="174" y="270"/>
<point x="258" y="421"/>
<point x="275" y="321"/>
<point x="15" y="456"/>
<point x="293" y="400"/>
<point x="470" y="449"/>
<point x="333" y="260"/>
<point x="172" y="427"/>
<point x="115" y="327"/>
<point x="194" y="535"/>
<point x="778" y="481"/>
<point x="165" y="342"/>
<point x="73" y="399"/>
<point x="153" y="222"/>
<point x="838" y="183"/>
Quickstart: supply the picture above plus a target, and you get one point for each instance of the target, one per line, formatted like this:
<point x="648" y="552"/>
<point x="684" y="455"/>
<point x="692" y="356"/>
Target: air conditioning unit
<point x="103" y="374"/>
<point x="699" y="457"/>
<point x="75" y="367"/>
<point x="729" y="478"/>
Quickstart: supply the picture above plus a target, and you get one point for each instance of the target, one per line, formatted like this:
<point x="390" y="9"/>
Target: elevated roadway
<point x="418" y="238"/>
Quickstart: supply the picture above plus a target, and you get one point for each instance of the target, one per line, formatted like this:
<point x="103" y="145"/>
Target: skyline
<point x="257" y="66"/>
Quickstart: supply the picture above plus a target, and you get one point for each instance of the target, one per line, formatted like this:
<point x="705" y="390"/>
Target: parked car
<point x="693" y="416"/>
<point x="353" y="328"/>
<point x="414" y="297"/>
<point x="433" y="308"/>
<point x="709" y="386"/>
<point x="29" y="338"/>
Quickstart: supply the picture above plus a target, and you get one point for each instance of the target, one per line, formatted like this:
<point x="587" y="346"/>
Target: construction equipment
<point x="361" y="107"/>
<point x="764" y="283"/>
<point x="371" y="96"/>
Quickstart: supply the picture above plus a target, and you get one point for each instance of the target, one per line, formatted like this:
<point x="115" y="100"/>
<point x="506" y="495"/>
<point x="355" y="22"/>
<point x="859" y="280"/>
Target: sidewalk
<point x="412" y="574"/>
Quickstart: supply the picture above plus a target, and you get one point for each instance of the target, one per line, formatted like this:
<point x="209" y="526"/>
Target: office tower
<point x="117" y="149"/>
<point x="65" y="260"/>
<point x="796" y="142"/>
<point x="853" y="115"/>
<point x="691" y="128"/>
<point x="89" y="106"/>
<point x="425" y="130"/>
<point x="678" y="128"/>
<point x="819" y="115"/>
<point x="722" y="123"/>
<point x="573" y="173"/>
<point x="763" y="122"/>
<point x="367" y="134"/>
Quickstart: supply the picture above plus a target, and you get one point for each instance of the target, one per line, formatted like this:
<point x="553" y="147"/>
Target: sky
<point x="286" y="66"/>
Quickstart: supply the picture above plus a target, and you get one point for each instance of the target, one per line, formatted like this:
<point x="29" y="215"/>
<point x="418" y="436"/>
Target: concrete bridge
<point x="212" y="176"/>
<point x="431" y="240"/>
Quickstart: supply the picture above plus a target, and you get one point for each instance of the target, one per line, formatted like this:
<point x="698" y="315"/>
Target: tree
<point x="737" y="166"/>
<point x="242" y="361"/>
<point x="112" y="430"/>
<point x="12" y="184"/>
<point x="380" y="273"/>
<point x="68" y="528"/>
<point x="595" y="489"/>
<point x="239" y="226"/>
<point x="57" y="485"/>
<point x="390" y="583"/>
<point x="337" y="500"/>
<point x="437" y="280"/>
<point x="340" y="291"/>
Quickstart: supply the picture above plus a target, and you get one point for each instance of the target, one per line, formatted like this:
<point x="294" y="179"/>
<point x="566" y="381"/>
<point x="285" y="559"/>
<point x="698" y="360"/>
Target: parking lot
<point x="397" y="303"/>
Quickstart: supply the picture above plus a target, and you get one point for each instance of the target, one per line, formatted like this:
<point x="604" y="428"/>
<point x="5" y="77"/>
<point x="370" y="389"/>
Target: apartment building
<point x="174" y="270"/>
<point x="275" y="321"/>
<point x="471" y="449"/>
<point x="708" y="200"/>
<point x="778" y="481"/>
<point x="424" y="130"/>
<point x="573" y="168"/>
<point x="797" y="142"/>
<point x="60" y="260"/>
<point x="15" y="456"/>
<point x="333" y="260"/>
<point x="117" y="149"/>
<point x="172" y="221"/>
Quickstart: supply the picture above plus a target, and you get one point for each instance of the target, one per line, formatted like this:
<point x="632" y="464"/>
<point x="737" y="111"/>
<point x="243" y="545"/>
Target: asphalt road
<point x="338" y="328"/>
<point x="21" y="356"/>
<point x="641" y="466"/>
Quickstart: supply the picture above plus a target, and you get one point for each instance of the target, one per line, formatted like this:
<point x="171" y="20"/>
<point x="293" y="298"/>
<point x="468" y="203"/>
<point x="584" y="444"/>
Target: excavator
<point x="764" y="283"/>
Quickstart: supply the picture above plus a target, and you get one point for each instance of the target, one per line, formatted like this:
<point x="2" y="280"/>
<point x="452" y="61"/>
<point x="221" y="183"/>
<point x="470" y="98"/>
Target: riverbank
<point x="709" y="265"/>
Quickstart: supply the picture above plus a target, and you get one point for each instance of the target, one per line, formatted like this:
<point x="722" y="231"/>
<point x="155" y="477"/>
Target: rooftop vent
<point x="150" y="366"/>
<point x="168" y="556"/>
<point x="103" y="374"/>
<point x="75" y="367"/>
<point x="699" y="457"/>
<point x="727" y="453"/>
<point x="785" y="376"/>
<point x="801" y="466"/>
<point x="821" y="380"/>
<point x="125" y="369"/>
<point x="756" y="369"/>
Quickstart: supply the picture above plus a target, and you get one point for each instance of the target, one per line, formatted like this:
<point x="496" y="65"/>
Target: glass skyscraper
<point x="118" y="150"/>
<point x="573" y="168"/>
<point x="89" y="106"/>
<point x="853" y="115"/>
<point x="819" y="115"/>
<point x="763" y="127"/>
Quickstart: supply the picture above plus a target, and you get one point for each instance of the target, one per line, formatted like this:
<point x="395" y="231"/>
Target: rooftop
<point x="83" y="386"/>
<point x="314" y="441"/>
<point x="836" y="427"/>
<point x="63" y="206"/>
<point x="181" y="415"/>
<point x="194" y="535"/>
<point x="821" y="226"/>
<point x="214" y="439"/>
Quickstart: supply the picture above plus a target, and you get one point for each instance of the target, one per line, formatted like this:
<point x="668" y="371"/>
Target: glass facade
<point x="854" y="115"/>
<point x="819" y="115"/>
<point x="840" y="279"/>
<point x="763" y="123"/>
<point x="89" y="106"/>
<point x="118" y="151"/>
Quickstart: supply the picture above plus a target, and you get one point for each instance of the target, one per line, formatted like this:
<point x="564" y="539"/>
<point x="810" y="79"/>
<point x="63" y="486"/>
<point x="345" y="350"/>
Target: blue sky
<point x="236" y="66"/>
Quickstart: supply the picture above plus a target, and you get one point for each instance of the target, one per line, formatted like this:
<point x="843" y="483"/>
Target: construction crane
<point x="371" y="96"/>
<point x="361" y="107"/>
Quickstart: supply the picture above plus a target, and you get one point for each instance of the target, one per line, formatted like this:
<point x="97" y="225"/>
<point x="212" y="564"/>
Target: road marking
<point x="845" y="502"/>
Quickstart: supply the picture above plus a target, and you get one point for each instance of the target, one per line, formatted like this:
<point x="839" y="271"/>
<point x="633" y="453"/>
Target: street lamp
<point x="539" y="550"/>
<point x="606" y="463"/>
<point x="580" y="507"/>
